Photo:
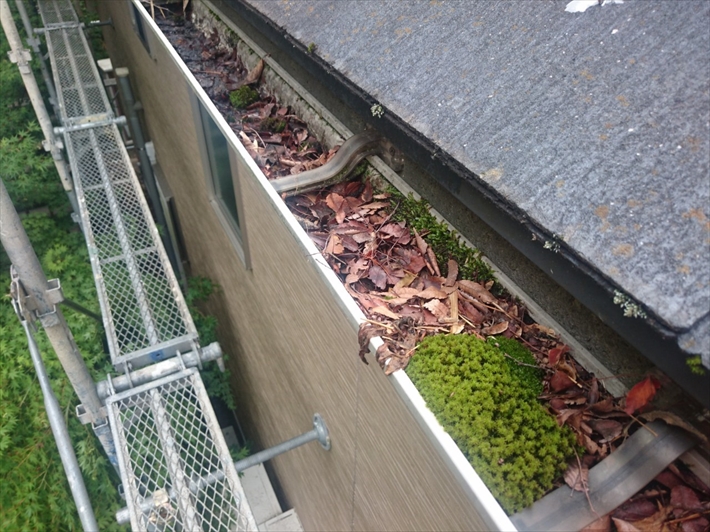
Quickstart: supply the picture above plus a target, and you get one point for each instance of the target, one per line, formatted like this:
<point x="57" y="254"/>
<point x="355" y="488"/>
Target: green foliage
<point x="35" y="494"/>
<point x="94" y="35"/>
<point x="243" y="97"/>
<point x="15" y="109"/>
<point x="444" y="242"/>
<point x="216" y="381"/>
<point x="240" y="453"/>
<point x="28" y="172"/>
<point x="695" y="363"/>
<point x="488" y="404"/>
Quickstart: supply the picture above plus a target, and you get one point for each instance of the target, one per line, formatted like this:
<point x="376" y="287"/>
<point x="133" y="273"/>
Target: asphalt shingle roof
<point x="596" y="124"/>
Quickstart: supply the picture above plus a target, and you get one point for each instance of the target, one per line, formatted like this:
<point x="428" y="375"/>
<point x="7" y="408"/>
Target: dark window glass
<point x="218" y="157"/>
<point x="140" y="29"/>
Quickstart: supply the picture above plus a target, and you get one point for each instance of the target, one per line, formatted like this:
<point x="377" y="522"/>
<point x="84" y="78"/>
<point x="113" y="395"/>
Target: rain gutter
<point x="655" y="340"/>
<point x="482" y="499"/>
<point x="470" y="482"/>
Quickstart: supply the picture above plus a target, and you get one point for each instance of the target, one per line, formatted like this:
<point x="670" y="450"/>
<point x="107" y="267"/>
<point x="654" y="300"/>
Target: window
<point x="138" y="25"/>
<point x="221" y="177"/>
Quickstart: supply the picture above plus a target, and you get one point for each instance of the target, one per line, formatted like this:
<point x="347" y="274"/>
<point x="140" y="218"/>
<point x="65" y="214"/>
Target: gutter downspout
<point x="130" y="106"/>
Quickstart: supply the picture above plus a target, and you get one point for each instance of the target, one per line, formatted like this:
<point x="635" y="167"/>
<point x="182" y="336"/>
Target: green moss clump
<point x="273" y="124"/>
<point x="243" y="97"/>
<point x="695" y="363"/>
<point x="445" y="243"/>
<point x="488" y="404"/>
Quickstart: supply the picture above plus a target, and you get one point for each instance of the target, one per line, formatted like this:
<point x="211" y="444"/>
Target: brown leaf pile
<point x="394" y="275"/>
<point x="279" y="141"/>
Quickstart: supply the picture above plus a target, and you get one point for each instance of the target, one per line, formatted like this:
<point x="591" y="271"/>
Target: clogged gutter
<point x="408" y="273"/>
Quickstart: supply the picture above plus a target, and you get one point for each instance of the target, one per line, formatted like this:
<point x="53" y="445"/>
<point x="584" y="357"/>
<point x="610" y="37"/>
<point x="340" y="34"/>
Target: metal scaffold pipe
<point x="34" y="43"/>
<point x="61" y="437"/>
<point x="18" y="54"/>
<point x="19" y="249"/>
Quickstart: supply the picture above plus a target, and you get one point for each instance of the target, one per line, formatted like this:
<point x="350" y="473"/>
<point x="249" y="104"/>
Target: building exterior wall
<point x="292" y="348"/>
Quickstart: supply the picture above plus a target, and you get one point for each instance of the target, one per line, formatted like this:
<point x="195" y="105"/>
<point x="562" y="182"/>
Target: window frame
<point x="139" y="25"/>
<point x="234" y="229"/>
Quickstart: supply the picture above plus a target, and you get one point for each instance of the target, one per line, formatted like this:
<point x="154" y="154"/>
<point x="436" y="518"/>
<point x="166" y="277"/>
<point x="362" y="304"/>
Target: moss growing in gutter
<point x="488" y="404"/>
<point x="243" y="97"/>
<point x="444" y="242"/>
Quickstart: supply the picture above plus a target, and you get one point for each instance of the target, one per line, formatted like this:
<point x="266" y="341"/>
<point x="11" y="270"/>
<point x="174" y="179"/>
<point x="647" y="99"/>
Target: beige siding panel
<point x="292" y="349"/>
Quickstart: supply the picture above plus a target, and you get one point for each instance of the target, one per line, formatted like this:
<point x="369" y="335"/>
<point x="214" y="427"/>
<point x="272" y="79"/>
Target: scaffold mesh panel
<point x="175" y="465"/>
<point x="79" y="86"/>
<point x="57" y="12"/>
<point x="137" y="287"/>
<point x="145" y="315"/>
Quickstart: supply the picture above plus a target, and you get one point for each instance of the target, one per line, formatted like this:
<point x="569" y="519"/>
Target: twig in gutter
<point x="688" y="517"/>
<point x="643" y="425"/>
<point x="527" y="365"/>
<point x="585" y="487"/>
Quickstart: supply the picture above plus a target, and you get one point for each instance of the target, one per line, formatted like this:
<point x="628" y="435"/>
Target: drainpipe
<point x="22" y="57"/>
<point x="61" y="438"/>
<point x="131" y="106"/>
<point x="34" y="43"/>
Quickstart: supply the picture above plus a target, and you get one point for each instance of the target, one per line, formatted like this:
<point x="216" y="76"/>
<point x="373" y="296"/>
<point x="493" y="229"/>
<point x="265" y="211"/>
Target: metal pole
<point x="19" y="250"/>
<point x="34" y="43"/>
<point x="22" y="57"/>
<point x="161" y="369"/>
<point x="61" y="437"/>
<point x="318" y="433"/>
<point x="130" y="105"/>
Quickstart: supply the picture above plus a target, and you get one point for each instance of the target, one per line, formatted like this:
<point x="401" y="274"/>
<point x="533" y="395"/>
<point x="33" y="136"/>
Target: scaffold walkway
<point x="175" y="466"/>
<point x="145" y="316"/>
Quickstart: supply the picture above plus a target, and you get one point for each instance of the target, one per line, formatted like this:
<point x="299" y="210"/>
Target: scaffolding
<point x="145" y="316"/>
<point x="154" y="420"/>
<point x="175" y="466"/>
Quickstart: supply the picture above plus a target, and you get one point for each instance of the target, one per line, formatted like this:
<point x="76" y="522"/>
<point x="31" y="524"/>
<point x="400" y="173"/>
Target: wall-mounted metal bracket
<point x="97" y="23"/>
<point x="319" y="433"/>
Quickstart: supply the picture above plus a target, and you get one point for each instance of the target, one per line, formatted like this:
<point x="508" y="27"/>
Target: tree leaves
<point x="641" y="394"/>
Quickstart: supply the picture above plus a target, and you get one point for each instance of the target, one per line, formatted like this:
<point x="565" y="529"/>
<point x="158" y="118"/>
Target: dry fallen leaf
<point x="497" y="328"/>
<point x="603" y="524"/>
<point x="577" y="477"/>
<point x="635" y="509"/>
<point x="555" y="354"/>
<point x="254" y="74"/>
<point x="378" y="276"/>
<point x="477" y="290"/>
<point x="452" y="268"/>
<point x="672" y="419"/>
<point x="384" y="311"/>
<point x="560" y="381"/>
<point x="641" y="394"/>
<point x="624" y="526"/>
<point x="685" y="498"/>
<point x="655" y="523"/>
<point x="432" y="293"/>
<point x="608" y="428"/>
<point x="437" y="308"/>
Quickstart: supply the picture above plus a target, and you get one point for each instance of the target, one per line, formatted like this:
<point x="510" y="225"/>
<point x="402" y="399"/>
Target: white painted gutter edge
<point x="477" y="492"/>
